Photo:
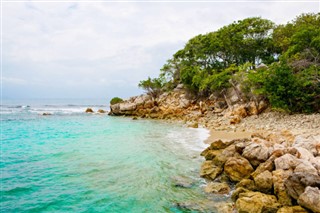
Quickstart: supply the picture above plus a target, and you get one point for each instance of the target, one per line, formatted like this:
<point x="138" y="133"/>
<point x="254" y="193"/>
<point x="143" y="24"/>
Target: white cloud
<point x="113" y="44"/>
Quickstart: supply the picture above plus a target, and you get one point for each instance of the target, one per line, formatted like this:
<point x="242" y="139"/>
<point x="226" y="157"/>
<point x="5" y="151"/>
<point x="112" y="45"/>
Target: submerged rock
<point x="182" y="181"/>
<point x="101" y="111"/>
<point x="217" y="188"/>
<point x="89" y="110"/>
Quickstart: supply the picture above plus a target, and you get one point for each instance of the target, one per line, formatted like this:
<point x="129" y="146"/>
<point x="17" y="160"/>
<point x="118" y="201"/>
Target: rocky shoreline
<point x="272" y="158"/>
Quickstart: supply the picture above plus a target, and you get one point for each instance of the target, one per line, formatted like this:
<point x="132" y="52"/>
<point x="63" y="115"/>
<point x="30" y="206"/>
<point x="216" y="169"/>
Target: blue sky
<point x="103" y="49"/>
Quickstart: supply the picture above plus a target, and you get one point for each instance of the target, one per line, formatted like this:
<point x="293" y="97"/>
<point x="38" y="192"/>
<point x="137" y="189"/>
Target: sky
<point x="97" y="49"/>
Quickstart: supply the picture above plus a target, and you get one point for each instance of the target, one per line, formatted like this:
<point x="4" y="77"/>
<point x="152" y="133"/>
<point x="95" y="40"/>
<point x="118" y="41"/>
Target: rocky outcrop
<point x="89" y="110"/>
<point x="269" y="173"/>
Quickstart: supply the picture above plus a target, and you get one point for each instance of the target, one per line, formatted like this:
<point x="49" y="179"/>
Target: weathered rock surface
<point x="89" y="110"/>
<point x="256" y="153"/>
<point x="263" y="181"/>
<point x="296" y="183"/>
<point x="257" y="202"/>
<point x="217" y="188"/>
<point x="279" y="177"/>
<point x="237" y="168"/>
<point x="209" y="170"/>
<point x="310" y="199"/>
<point x="292" y="209"/>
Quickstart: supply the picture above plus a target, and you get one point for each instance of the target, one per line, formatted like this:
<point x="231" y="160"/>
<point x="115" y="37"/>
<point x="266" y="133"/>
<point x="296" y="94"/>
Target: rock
<point x="101" y="111"/>
<point x="46" y="114"/>
<point x="228" y="152"/>
<point x="248" y="184"/>
<point x="297" y="182"/>
<point x="210" y="154"/>
<point x="127" y="106"/>
<point x="256" y="153"/>
<point x="256" y="202"/>
<point x="237" y="168"/>
<point x="89" y="110"/>
<point x="205" y="205"/>
<point x="252" y="109"/>
<point x="240" y="112"/>
<point x="310" y="144"/>
<point x="278" y="179"/>
<point x="134" y="118"/>
<point x="194" y="125"/>
<point x="235" y="120"/>
<point x="219" y="144"/>
<point x="209" y="170"/>
<point x="263" y="181"/>
<point x="217" y="188"/>
<point x="265" y="166"/>
<point x="237" y="192"/>
<point x="286" y="162"/>
<point x="182" y="181"/>
<point x="310" y="199"/>
<point x="292" y="209"/>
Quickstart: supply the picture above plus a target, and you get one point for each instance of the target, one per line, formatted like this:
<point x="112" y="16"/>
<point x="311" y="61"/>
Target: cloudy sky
<point x="77" y="49"/>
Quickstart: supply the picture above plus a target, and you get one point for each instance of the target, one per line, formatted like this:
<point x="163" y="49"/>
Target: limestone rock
<point x="310" y="144"/>
<point x="209" y="170"/>
<point x="235" y="120"/>
<point x="46" y="114"/>
<point x="127" y="106"/>
<point x="217" y="188"/>
<point x="210" y="154"/>
<point x="228" y="152"/>
<point x="247" y="183"/>
<point x="286" y="162"/>
<point x="219" y="144"/>
<point x="279" y="177"/>
<point x="89" y="110"/>
<point x="265" y="166"/>
<point x="101" y="111"/>
<point x="256" y="202"/>
<point x="310" y="199"/>
<point x="292" y="209"/>
<point x="237" y="192"/>
<point x="194" y="125"/>
<point x="264" y="182"/>
<point x="256" y="153"/>
<point x="297" y="182"/>
<point x="237" y="168"/>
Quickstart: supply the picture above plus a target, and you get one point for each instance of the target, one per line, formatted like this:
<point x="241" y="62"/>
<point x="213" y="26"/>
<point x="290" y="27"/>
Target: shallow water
<point x="76" y="162"/>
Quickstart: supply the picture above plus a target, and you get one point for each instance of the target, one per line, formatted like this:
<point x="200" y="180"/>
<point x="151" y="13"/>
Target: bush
<point x="115" y="100"/>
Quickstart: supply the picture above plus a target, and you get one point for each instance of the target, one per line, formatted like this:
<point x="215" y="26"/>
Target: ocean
<point x="71" y="161"/>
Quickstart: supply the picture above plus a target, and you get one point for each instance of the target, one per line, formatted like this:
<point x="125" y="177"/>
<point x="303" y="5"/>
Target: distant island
<point x="256" y="86"/>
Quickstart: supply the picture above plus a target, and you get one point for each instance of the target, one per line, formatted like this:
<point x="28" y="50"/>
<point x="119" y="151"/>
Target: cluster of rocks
<point x="90" y="110"/>
<point x="271" y="173"/>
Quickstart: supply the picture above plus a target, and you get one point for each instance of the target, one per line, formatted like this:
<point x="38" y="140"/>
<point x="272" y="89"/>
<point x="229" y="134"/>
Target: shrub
<point x="115" y="100"/>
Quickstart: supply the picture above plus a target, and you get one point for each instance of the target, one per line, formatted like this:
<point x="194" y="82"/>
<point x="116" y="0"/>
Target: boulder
<point x="310" y="144"/>
<point x="286" y="162"/>
<point x="127" y="106"/>
<point x="217" y="188"/>
<point x="209" y="170"/>
<point x="292" y="209"/>
<point x="263" y="181"/>
<point x="101" y="111"/>
<point x="256" y="202"/>
<point x="256" y="153"/>
<point x="219" y="144"/>
<point x="247" y="184"/>
<point x="236" y="193"/>
<point x="265" y="166"/>
<point x="237" y="168"/>
<point x="310" y="199"/>
<point x="210" y="154"/>
<point x="235" y="120"/>
<point x="252" y="109"/>
<point x="89" y="110"/>
<point x="297" y="182"/>
<point x="278" y="178"/>
<point x="194" y="125"/>
<point x="228" y="152"/>
<point x="46" y="114"/>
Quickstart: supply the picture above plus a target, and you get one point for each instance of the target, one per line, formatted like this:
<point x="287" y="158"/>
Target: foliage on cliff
<point x="230" y="57"/>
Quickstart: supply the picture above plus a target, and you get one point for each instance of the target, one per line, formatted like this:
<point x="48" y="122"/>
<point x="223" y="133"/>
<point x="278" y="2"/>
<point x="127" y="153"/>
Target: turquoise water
<point x="75" y="162"/>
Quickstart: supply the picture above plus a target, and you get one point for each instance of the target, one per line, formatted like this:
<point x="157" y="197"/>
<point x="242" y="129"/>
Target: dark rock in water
<point x="134" y="118"/>
<point x="182" y="181"/>
<point x="101" y="111"/>
<point x="46" y="113"/>
<point x="89" y="110"/>
<point x="297" y="182"/>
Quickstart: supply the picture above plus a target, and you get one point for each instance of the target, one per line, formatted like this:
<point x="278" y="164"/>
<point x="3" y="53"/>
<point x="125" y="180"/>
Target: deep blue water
<point x="71" y="161"/>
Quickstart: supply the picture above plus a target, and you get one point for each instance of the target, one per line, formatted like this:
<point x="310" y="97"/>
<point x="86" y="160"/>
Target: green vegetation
<point x="115" y="100"/>
<point x="230" y="57"/>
